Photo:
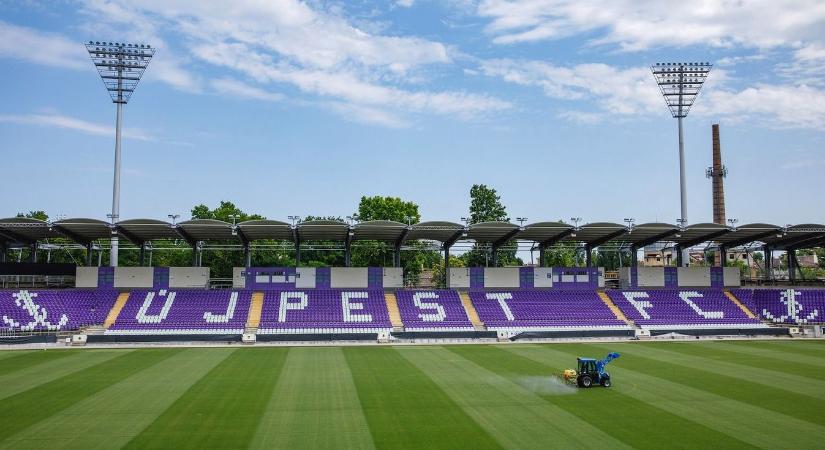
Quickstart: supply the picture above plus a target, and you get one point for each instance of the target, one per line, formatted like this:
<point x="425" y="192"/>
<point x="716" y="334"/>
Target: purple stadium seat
<point x="183" y="312"/>
<point x="315" y="311"/>
<point x="789" y="306"/>
<point x="434" y="310"/>
<point x="537" y="310"/>
<point x="684" y="309"/>
<point x="53" y="310"/>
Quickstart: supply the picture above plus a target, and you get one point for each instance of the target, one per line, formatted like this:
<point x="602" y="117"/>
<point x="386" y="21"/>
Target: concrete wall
<point x="239" y="277"/>
<point x="542" y="277"/>
<point x="650" y="277"/>
<point x="305" y="277"/>
<point x="85" y="277"/>
<point x="349" y="277"/>
<point x="134" y="277"/>
<point x="501" y="277"/>
<point x="732" y="276"/>
<point x="189" y="277"/>
<point x="693" y="276"/>
<point x="393" y="277"/>
<point x="459" y="277"/>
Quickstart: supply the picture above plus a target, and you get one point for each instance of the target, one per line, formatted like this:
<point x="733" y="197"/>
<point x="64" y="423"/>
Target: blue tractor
<point x="590" y="371"/>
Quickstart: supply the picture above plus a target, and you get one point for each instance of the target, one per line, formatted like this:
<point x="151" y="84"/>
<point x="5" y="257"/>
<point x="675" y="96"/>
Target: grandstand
<point x="111" y="304"/>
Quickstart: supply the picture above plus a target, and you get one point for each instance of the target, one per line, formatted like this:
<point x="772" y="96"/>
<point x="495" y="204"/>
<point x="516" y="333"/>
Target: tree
<point x="486" y="206"/>
<point x="388" y="208"/>
<point x="366" y="254"/>
<point x="39" y="215"/>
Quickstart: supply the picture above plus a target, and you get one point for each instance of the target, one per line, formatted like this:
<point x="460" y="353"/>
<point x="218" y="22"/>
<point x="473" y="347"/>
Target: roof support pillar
<point x="723" y="256"/>
<point x="588" y="257"/>
<point x="397" y="255"/>
<point x="541" y="255"/>
<point x="247" y="255"/>
<point x="297" y="252"/>
<point x="348" y="250"/>
<point x="767" y="254"/>
<point x="142" y="256"/>
<point x="194" y="254"/>
<point x="88" y="254"/>
<point x="679" y="258"/>
<point x="493" y="256"/>
<point x="447" y="266"/>
<point x="634" y="256"/>
<point x="33" y="252"/>
<point x="3" y="248"/>
<point x="792" y="264"/>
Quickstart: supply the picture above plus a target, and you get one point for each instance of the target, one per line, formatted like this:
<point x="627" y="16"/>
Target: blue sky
<point x="288" y="107"/>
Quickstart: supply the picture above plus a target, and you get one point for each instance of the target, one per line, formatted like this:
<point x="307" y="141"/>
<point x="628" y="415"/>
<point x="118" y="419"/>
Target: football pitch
<point x="722" y="394"/>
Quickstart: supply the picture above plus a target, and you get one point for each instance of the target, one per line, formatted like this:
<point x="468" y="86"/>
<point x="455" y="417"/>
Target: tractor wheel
<point x="606" y="382"/>
<point x="586" y="382"/>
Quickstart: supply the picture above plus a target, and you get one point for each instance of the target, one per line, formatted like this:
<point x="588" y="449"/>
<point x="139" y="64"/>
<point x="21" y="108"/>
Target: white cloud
<point x="41" y="48"/>
<point x="614" y="90"/>
<point x="304" y="45"/>
<point x="74" y="124"/>
<point x="642" y="24"/>
<point x="239" y="89"/>
<point x="404" y="3"/>
<point x="632" y="91"/>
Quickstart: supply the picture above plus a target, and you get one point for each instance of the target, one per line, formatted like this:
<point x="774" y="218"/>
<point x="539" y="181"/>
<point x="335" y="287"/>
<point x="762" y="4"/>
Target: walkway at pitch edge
<point x="115" y="311"/>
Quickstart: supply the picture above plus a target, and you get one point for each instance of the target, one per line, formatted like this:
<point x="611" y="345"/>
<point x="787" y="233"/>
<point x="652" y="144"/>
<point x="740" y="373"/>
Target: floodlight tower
<point x="680" y="84"/>
<point x="120" y="67"/>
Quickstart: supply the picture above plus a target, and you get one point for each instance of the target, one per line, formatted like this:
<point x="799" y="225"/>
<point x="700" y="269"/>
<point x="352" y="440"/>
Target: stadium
<point x="380" y="329"/>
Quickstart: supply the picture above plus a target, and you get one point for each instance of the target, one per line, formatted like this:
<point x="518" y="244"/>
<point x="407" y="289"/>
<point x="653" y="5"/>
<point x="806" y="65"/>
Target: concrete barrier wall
<point x="134" y="277"/>
<point x="732" y="276"/>
<point x="501" y="277"/>
<point x="239" y="277"/>
<point x="85" y="277"/>
<point x="349" y="277"/>
<point x="305" y="277"/>
<point x="693" y="276"/>
<point x="189" y="277"/>
<point x="650" y="277"/>
<point x="393" y="277"/>
<point x="542" y="277"/>
<point x="459" y="277"/>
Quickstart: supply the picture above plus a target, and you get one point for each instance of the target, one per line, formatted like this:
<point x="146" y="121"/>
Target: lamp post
<point x="120" y="66"/>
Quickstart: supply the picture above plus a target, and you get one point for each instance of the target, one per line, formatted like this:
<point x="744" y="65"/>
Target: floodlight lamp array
<point x="120" y="66"/>
<point x="680" y="84"/>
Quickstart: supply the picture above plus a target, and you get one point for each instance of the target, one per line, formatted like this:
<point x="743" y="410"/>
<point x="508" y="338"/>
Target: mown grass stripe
<point x="697" y="400"/>
<point x="812" y="348"/>
<point x="6" y="354"/>
<point x="314" y="405"/>
<point x="111" y="417"/>
<point x="405" y="408"/>
<point x="27" y="408"/>
<point x="222" y="409"/>
<point x="774" y="358"/>
<point x="632" y="422"/>
<point x="20" y="361"/>
<point x="767" y="388"/>
<point x="56" y="366"/>
<point x="516" y="417"/>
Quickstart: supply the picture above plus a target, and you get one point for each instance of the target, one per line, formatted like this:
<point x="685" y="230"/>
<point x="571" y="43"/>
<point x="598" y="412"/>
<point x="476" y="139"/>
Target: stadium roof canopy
<point x="140" y="231"/>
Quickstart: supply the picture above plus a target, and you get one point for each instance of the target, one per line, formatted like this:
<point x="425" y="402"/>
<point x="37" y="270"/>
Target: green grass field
<point x="733" y="394"/>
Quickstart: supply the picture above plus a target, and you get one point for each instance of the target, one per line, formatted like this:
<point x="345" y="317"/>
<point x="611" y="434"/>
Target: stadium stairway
<point x="392" y="309"/>
<point x="115" y="311"/>
<point x="253" y="318"/>
<point x="741" y="306"/>
<point x="615" y="309"/>
<point x="472" y="314"/>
